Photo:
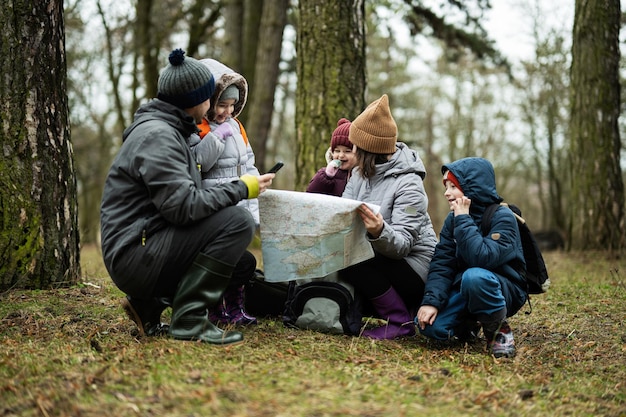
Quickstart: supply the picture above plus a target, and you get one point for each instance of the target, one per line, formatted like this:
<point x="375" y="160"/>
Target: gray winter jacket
<point x="153" y="186"/>
<point x="398" y="189"/>
<point x="226" y="161"/>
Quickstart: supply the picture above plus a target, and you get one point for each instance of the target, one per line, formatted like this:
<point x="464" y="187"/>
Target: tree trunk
<point x="148" y="46"/>
<point x="597" y="206"/>
<point x="331" y="77"/>
<point x="261" y="98"/>
<point x="39" y="242"/>
<point x="254" y="18"/>
<point x="232" y="54"/>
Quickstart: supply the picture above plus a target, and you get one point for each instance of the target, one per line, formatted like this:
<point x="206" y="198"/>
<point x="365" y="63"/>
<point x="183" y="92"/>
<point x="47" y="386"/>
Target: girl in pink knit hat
<point x="389" y="174"/>
<point x="333" y="178"/>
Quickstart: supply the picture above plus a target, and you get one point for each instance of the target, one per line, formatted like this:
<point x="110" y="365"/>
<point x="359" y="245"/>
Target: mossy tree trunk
<point x="260" y="107"/>
<point x="597" y="205"/>
<point x="148" y="44"/>
<point x="39" y="242"/>
<point x="331" y="77"/>
<point x="233" y="53"/>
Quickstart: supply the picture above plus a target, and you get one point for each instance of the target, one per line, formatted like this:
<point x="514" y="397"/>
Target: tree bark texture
<point x="255" y="15"/>
<point x="331" y="77"/>
<point x="260" y="107"/>
<point x="39" y="241"/>
<point x="597" y="217"/>
<point x="148" y="45"/>
<point x="232" y="54"/>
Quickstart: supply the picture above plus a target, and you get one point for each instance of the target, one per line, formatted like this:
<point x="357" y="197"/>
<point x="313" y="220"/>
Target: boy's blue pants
<point x="483" y="296"/>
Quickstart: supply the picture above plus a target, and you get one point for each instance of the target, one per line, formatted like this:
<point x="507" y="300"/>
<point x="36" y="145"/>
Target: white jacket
<point x="218" y="161"/>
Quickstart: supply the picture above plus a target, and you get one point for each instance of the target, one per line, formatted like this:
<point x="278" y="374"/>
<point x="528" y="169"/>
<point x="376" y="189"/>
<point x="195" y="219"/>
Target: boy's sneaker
<point x="502" y="344"/>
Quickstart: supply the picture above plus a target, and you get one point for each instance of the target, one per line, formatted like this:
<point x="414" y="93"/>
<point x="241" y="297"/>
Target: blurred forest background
<point x="310" y="62"/>
<point x="452" y="94"/>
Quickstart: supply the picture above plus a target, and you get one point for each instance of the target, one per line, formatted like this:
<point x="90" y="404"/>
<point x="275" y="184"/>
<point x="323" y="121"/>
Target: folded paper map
<point x="308" y="235"/>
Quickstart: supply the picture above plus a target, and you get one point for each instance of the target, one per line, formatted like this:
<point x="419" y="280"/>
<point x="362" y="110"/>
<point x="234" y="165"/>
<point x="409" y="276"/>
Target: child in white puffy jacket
<point x="223" y="154"/>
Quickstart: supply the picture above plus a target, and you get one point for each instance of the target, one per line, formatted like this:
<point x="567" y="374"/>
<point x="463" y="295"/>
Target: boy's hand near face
<point x="461" y="205"/>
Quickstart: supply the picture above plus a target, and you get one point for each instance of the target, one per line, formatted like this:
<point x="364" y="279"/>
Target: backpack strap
<point x="204" y="127"/>
<point x="243" y="131"/>
<point x="485" y="223"/>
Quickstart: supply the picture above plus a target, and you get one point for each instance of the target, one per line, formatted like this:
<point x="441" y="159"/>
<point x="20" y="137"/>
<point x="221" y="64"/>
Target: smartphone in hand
<point x="275" y="168"/>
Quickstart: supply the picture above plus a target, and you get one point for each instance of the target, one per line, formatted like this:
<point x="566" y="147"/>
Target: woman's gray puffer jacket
<point x="398" y="189"/>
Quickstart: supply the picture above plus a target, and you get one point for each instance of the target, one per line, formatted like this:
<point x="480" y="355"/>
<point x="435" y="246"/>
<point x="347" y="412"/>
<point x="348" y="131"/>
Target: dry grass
<point x="72" y="352"/>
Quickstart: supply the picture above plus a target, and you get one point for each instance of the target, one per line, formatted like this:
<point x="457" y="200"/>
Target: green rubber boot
<point x="200" y="289"/>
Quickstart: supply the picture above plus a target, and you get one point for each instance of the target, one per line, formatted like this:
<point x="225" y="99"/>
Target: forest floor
<point x="73" y="352"/>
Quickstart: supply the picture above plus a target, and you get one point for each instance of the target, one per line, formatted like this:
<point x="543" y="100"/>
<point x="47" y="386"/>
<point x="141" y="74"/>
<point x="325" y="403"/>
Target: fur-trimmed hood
<point x="225" y="77"/>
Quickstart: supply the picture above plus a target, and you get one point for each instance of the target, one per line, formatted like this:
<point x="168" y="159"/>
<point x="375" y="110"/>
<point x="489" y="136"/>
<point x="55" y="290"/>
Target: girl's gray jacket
<point x="152" y="187"/>
<point x="226" y="161"/>
<point x="398" y="189"/>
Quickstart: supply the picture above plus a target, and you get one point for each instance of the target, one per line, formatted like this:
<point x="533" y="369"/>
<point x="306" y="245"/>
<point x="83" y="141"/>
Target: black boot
<point x="146" y="313"/>
<point x="468" y="328"/>
<point x="200" y="289"/>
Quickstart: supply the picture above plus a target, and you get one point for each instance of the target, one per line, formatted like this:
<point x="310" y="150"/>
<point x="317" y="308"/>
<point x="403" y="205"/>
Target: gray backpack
<point x="327" y="305"/>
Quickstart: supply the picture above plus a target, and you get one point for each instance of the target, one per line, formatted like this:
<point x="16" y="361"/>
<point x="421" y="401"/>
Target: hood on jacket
<point x="225" y="77"/>
<point x="328" y="155"/>
<point x="476" y="178"/>
<point x="405" y="160"/>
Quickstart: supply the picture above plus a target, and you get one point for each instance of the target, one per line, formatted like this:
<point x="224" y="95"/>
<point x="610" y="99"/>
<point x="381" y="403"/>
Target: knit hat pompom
<point x="177" y="57"/>
<point x="449" y="176"/>
<point x="341" y="134"/>
<point x="185" y="82"/>
<point x="375" y="130"/>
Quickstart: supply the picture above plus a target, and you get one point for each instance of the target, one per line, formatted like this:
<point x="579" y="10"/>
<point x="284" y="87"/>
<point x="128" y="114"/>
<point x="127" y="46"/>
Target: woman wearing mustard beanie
<point x="390" y="175"/>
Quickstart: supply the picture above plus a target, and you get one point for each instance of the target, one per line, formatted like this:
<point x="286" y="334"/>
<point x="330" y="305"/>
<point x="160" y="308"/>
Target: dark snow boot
<point x="217" y="313"/>
<point x="234" y="309"/>
<point x="199" y="290"/>
<point x="146" y="313"/>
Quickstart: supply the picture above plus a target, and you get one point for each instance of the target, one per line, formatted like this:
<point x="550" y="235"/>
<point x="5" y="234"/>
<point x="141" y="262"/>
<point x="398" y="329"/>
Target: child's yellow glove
<point x="252" y="183"/>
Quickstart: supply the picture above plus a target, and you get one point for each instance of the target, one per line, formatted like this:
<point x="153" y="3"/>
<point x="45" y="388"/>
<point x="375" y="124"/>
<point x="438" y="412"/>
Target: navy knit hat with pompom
<point x="185" y="82"/>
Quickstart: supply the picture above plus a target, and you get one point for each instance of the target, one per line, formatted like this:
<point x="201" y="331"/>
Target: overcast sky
<point x="510" y="22"/>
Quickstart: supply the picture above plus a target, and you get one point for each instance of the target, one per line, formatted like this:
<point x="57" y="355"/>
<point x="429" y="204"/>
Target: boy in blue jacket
<point x="474" y="279"/>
